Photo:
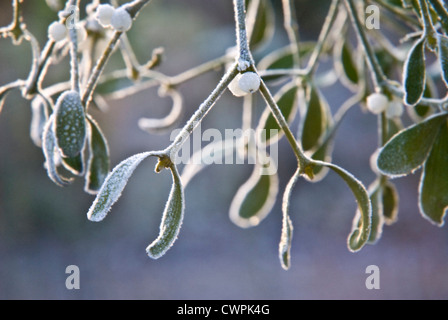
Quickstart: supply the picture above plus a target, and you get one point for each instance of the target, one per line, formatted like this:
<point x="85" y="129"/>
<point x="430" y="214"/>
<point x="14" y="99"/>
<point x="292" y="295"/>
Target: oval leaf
<point x="408" y="149"/>
<point x="433" y="195"/>
<point x="345" y="63"/>
<point x="316" y="120"/>
<point x="70" y="124"/>
<point x="414" y="76"/>
<point x="255" y="198"/>
<point x="284" y="248"/>
<point x="260" y="23"/>
<point x="171" y="220"/>
<point x="113" y="186"/>
<point x="99" y="163"/>
<point x="286" y="98"/>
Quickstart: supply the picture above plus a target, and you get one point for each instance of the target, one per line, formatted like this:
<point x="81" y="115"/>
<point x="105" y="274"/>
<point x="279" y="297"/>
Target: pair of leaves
<point x="362" y="222"/>
<point x="423" y="144"/>
<point x="173" y="213"/>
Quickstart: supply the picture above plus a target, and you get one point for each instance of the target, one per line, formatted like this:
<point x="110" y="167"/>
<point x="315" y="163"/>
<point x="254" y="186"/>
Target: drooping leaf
<point x="433" y="195"/>
<point x="376" y="199"/>
<point x="316" y="120"/>
<point x="361" y="224"/>
<point x="49" y="149"/>
<point x="287" y="101"/>
<point x="414" y="76"/>
<point x="284" y="248"/>
<point x="443" y="56"/>
<point x="255" y="198"/>
<point x="260" y="22"/>
<point x="99" y="162"/>
<point x="408" y="149"/>
<point x="171" y="220"/>
<point x="70" y="124"/>
<point x="390" y="203"/>
<point x="167" y="123"/>
<point x="113" y="186"/>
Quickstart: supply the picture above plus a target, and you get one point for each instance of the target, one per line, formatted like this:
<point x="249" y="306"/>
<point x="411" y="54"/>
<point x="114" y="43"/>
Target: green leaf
<point x="261" y="22"/>
<point x="75" y="165"/>
<point x="433" y="195"/>
<point x="420" y="111"/>
<point x="113" y="186"/>
<point x="345" y="63"/>
<point x="287" y="101"/>
<point x="171" y="220"/>
<point x="70" y="124"/>
<point x="390" y="203"/>
<point x="414" y="76"/>
<point x="361" y="224"/>
<point x="316" y="120"/>
<point x="99" y="162"/>
<point x="284" y="248"/>
<point x="49" y="149"/>
<point x="408" y="149"/>
<point x="443" y="56"/>
<point x="376" y="199"/>
<point x="255" y="198"/>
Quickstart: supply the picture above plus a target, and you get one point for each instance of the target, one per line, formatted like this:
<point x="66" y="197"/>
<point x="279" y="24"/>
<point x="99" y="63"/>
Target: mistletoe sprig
<point x="385" y="79"/>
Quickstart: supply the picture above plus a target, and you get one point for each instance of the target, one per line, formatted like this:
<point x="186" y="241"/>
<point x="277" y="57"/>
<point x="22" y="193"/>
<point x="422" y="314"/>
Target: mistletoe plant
<point x="384" y="77"/>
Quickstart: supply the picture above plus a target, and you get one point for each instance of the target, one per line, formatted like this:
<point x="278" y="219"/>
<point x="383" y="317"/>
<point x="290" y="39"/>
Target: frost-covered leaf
<point x="390" y="203"/>
<point x="284" y="248"/>
<point x="70" y="124"/>
<point x="49" y="149"/>
<point x="443" y="56"/>
<point x="433" y="195"/>
<point x="414" y="76"/>
<point x="260" y="22"/>
<point x="345" y="63"/>
<point x="39" y="117"/>
<point x="113" y="186"/>
<point x="75" y="165"/>
<point x="99" y="162"/>
<point x="287" y="101"/>
<point x="421" y="111"/>
<point x="361" y="224"/>
<point x="408" y="149"/>
<point x="255" y="198"/>
<point x="376" y="199"/>
<point x="317" y="119"/>
<point x="212" y="153"/>
<point x="165" y="124"/>
<point x="171" y="220"/>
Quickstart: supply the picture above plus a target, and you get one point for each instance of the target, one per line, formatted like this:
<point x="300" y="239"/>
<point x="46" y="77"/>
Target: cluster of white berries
<point x="119" y="19"/>
<point x="245" y="83"/>
<point x="58" y="31"/>
<point x="378" y="103"/>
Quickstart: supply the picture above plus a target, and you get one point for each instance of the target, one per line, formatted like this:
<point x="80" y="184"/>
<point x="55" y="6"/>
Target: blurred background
<point x="44" y="229"/>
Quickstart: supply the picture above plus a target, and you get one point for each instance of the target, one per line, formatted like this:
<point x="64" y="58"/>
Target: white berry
<point x="234" y="87"/>
<point x="57" y="31"/>
<point x="121" y="20"/>
<point x="377" y="103"/>
<point x="104" y="14"/>
<point x="249" y="82"/>
<point x="394" y="110"/>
